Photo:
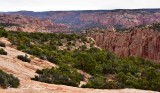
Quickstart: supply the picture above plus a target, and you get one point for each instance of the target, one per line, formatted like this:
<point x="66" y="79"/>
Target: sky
<point x="55" y="5"/>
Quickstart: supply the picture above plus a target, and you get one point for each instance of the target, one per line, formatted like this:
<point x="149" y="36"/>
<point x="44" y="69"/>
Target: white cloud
<point x="47" y="5"/>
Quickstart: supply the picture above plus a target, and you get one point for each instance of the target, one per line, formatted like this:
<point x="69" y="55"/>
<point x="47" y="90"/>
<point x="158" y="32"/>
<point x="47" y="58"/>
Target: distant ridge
<point x="85" y="19"/>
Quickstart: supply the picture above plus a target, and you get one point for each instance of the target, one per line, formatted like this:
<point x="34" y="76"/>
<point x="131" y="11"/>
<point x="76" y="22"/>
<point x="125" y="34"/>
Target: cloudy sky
<point x="48" y="5"/>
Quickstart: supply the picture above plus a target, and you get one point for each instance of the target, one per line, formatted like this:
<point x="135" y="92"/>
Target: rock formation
<point x="99" y="18"/>
<point x="30" y="24"/>
<point x="139" y="42"/>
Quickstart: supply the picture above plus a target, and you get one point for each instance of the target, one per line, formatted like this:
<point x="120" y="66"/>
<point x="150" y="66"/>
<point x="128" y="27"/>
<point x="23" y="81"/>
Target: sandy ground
<point x="24" y="71"/>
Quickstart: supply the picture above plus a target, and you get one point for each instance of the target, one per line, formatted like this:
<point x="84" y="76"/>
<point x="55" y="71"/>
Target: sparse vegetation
<point x="62" y="75"/>
<point x="2" y="44"/>
<point x="132" y="72"/>
<point x="8" y="80"/>
<point x="24" y="58"/>
<point x="8" y="24"/>
<point x="2" y="52"/>
<point x="155" y="27"/>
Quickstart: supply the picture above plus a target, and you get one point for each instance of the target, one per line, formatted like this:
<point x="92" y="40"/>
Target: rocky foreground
<point x="25" y="71"/>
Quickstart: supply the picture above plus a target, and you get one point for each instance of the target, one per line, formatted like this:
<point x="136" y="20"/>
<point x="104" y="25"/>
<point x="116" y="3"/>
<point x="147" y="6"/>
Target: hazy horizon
<point x="81" y="10"/>
<point x="75" y="5"/>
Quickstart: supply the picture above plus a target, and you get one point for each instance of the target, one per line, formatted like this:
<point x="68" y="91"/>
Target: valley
<point x="101" y="51"/>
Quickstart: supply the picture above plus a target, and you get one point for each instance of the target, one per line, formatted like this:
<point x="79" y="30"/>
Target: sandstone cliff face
<point x="122" y="19"/>
<point x="100" y="18"/>
<point x="140" y="42"/>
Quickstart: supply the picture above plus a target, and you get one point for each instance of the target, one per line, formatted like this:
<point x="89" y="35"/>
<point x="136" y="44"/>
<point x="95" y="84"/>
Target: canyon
<point x="139" y="42"/>
<point x="30" y="24"/>
<point x="98" y="18"/>
<point x="140" y="38"/>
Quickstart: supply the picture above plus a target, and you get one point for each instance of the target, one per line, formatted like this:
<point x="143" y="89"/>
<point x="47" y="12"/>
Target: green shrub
<point x="71" y="37"/>
<point x="43" y="57"/>
<point x="95" y="82"/>
<point x="2" y="52"/>
<point x="62" y="75"/>
<point x="132" y="72"/>
<point x="83" y="47"/>
<point x="69" y="43"/>
<point x="21" y="47"/>
<point x="86" y="62"/>
<point x="2" y="44"/>
<point x="8" y="80"/>
<point x="3" y="33"/>
<point x="84" y="39"/>
<point x="8" y="24"/>
<point x="24" y="58"/>
<point x="60" y="43"/>
<point x="51" y="59"/>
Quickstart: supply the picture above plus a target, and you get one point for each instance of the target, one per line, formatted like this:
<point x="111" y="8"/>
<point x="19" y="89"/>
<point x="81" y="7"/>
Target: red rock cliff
<point x="30" y="24"/>
<point x="99" y="18"/>
<point x="140" y="42"/>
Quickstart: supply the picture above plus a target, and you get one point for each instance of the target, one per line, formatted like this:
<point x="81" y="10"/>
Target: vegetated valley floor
<point x="24" y="71"/>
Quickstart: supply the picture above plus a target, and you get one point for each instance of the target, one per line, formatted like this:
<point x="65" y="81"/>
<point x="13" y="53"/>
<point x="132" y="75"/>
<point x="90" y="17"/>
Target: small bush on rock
<point x="8" y="80"/>
<point x="24" y="58"/>
<point x="62" y="75"/>
<point x="2" y="44"/>
<point x="2" y="52"/>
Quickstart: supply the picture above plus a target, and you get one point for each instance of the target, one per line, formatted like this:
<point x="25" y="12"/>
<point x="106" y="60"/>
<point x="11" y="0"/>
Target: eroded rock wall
<point x="142" y="43"/>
